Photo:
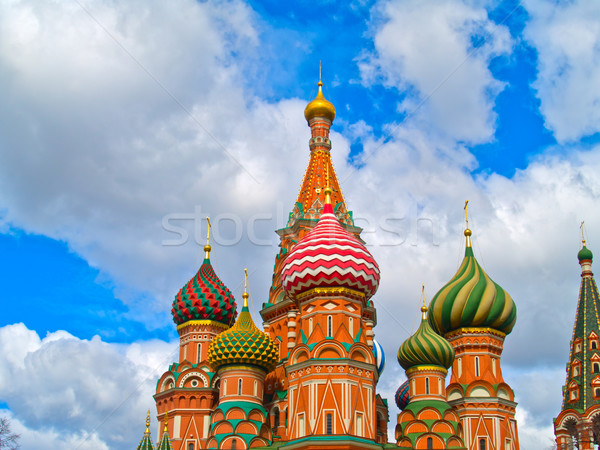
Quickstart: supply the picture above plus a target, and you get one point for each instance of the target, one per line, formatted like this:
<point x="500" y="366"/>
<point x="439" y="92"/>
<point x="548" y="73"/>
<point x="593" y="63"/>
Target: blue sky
<point x="118" y="118"/>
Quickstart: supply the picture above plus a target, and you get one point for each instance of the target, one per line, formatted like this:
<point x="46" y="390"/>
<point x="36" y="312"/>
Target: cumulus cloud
<point x="566" y="36"/>
<point x="118" y="115"/>
<point x="79" y="393"/>
<point x="438" y="54"/>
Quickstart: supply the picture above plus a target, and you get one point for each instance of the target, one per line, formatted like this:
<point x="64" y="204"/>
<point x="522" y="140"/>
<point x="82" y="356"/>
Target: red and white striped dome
<point x="329" y="256"/>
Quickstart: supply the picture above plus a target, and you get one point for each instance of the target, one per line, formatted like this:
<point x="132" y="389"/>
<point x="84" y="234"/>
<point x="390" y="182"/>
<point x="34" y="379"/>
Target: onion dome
<point x="146" y="442"/>
<point x="319" y="107"/>
<point x="585" y="254"/>
<point x="425" y="348"/>
<point x="401" y="396"/>
<point x="472" y="299"/>
<point x="379" y="356"/>
<point x="329" y="256"/>
<point x="243" y="343"/>
<point x="204" y="297"/>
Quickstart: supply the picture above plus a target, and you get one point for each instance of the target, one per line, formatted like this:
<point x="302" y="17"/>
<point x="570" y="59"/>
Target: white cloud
<point x="566" y="36"/>
<point x="72" y="391"/>
<point x="438" y="53"/>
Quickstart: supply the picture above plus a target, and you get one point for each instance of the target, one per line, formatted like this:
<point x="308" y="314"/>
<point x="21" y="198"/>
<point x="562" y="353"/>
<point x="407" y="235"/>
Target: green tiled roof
<point x="146" y="442"/>
<point x="587" y="321"/>
<point x="243" y="343"/>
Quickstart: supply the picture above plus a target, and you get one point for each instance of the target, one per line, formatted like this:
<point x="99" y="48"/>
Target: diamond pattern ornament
<point x="243" y="343"/>
<point x="204" y="297"/>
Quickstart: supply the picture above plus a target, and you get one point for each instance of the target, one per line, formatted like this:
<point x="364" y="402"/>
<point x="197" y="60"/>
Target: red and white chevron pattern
<point x="329" y="256"/>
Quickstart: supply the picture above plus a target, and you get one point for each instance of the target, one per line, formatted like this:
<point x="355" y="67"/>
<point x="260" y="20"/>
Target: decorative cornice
<point x="330" y="291"/>
<point x="202" y="322"/>
<point x="474" y="330"/>
<point x="426" y="369"/>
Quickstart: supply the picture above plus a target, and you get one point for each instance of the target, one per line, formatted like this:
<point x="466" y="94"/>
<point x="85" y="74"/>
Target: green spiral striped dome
<point x="471" y="299"/>
<point x="425" y="348"/>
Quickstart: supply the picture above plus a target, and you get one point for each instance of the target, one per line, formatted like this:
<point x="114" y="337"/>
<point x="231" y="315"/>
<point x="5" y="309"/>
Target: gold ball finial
<point x="468" y="232"/>
<point x="423" y="308"/>
<point x="148" y="422"/>
<point x="319" y="107"/>
<point x="245" y="295"/>
<point x="207" y="247"/>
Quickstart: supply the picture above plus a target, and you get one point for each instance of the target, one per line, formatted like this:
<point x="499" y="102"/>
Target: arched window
<point x="199" y="353"/>
<point x="482" y="445"/>
<point x="255" y="388"/>
<point x="477" y="366"/>
<point x="597" y="392"/>
<point x="329" y="326"/>
<point x="240" y="386"/>
<point x="224" y="387"/>
<point x="594" y="345"/>
<point x="191" y="446"/>
<point x="427" y="385"/>
<point x="310" y="325"/>
<point x="429" y="443"/>
<point x="351" y="326"/>
<point x="234" y="444"/>
<point x="328" y="423"/>
<point x="596" y="367"/>
<point x="276" y="418"/>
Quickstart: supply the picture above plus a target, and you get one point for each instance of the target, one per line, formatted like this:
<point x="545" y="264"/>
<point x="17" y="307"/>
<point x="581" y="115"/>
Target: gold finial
<point x="207" y="247"/>
<point x="166" y="421"/>
<point x="423" y="308"/>
<point x="582" y="235"/>
<point x="319" y="107"/>
<point x="148" y="422"/>
<point x="467" y="231"/>
<point x="328" y="190"/>
<point x="245" y="294"/>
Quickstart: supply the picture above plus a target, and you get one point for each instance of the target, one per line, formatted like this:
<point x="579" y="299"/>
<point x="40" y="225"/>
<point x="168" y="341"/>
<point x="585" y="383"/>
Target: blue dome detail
<point x="379" y="356"/>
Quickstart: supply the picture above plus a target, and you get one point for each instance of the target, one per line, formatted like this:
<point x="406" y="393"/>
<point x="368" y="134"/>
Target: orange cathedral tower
<point x="475" y="314"/>
<point x="323" y="391"/>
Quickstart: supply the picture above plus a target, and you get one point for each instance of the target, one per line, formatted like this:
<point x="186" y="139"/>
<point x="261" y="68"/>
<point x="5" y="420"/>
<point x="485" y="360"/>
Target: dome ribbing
<point x="329" y="256"/>
<point x="425" y="348"/>
<point x="472" y="299"/>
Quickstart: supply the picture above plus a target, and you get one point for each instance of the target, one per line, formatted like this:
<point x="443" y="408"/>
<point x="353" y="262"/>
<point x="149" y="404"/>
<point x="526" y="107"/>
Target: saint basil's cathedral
<point x="309" y="380"/>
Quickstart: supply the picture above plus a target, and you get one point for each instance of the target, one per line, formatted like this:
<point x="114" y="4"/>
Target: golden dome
<point x="319" y="107"/>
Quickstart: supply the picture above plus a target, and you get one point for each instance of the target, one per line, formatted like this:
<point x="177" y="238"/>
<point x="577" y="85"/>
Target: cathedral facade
<point x="309" y="380"/>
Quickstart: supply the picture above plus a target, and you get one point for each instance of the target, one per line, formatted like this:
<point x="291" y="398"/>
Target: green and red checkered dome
<point x="204" y="297"/>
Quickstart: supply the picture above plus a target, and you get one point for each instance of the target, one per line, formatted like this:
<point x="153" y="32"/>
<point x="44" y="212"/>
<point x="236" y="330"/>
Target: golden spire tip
<point x="245" y="294"/>
<point x="148" y="422"/>
<point x="582" y="235"/>
<point x="423" y="308"/>
<point x="166" y="421"/>
<point x="207" y="247"/>
<point x="467" y="232"/>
